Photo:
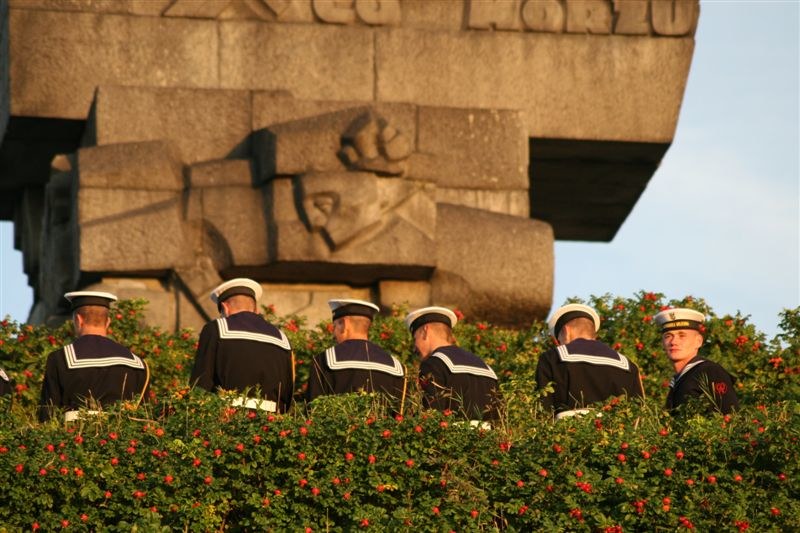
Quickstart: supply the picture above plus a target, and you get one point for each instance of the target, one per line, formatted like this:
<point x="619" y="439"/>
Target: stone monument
<point x="402" y="151"/>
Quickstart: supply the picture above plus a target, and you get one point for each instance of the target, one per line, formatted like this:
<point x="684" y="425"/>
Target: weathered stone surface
<point x="203" y="124"/>
<point x="588" y="16"/>
<point x="675" y="18"/>
<point x="28" y="222"/>
<point x="428" y="15"/>
<point x="161" y="308"/>
<point x="194" y="9"/>
<point x="59" y="269"/>
<point x="493" y="266"/>
<point x="5" y="103"/>
<point x="494" y="15"/>
<point x="48" y="80"/>
<point x="412" y="294"/>
<point x="123" y="7"/>
<point x="187" y="314"/>
<point x="471" y="148"/>
<point x="221" y="173"/>
<point x="308" y="299"/>
<point x="153" y="165"/>
<point x="311" y="61"/>
<point x="353" y="218"/>
<point x="195" y="280"/>
<point x="303" y="136"/>
<point x="506" y="202"/>
<point x="569" y="86"/>
<point x="129" y="230"/>
<point x="237" y="214"/>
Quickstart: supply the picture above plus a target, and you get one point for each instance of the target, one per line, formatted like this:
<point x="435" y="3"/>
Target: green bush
<point x="188" y="461"/>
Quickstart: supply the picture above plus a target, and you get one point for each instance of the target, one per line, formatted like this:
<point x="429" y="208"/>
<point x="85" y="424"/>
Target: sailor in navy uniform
<point x="355" y="363"/>
<point x="451" y="378"/>
<point x="694" y="376"/>
<point x="94" y="370"/>
<point x="582" y="369"/>
<point x="243" y="352"/>
<point x="6" y="385"/>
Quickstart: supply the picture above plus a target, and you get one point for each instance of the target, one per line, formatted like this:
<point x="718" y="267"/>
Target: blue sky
<point x="721" y="217"/>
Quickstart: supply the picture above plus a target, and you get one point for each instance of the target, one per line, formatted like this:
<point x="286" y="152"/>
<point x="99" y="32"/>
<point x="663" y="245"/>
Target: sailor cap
<point x="570" y="312"/>
<point x="680" y="318"/>
<point x="348" y="307"/>
<point x="234" y="287"/>
<point x="415" y="319"/>
<point x="80" y="298"/>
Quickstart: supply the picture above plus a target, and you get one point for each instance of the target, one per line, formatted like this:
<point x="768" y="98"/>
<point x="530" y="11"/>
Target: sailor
<point x="93" y="371"/>
<point x="240" y="351"/>
<point x="451" y="378"/>
<point x="682" y="338"/>
<point x="355" y="363"/>
<point x="581" y="369"/>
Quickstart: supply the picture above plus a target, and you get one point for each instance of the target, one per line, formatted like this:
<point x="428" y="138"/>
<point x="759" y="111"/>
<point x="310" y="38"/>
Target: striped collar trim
<point x="677" y="377"/>
<point x="335" y="364"/>
<point x="464" y="369"/>
<point x="225" y="333"/>
<point x="99" y="362"/>
<point x="567" y="357"/>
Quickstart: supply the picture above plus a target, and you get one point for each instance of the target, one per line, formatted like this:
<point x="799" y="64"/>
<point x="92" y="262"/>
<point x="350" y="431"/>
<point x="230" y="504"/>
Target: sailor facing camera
<point x="582" y="369"/>
<point x="694" y="376"/>
<point x="355" y="363"/>
<point x="451" y="378"/>
<point x="93" y="371"/>
<point x="243" y="352"/>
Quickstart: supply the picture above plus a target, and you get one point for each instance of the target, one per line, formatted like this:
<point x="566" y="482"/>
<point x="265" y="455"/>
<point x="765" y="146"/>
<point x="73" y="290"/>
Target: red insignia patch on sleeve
<point x="720" y="388"/>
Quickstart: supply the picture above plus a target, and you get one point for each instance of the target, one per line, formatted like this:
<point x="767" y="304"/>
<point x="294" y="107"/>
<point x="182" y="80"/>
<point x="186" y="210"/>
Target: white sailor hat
<point x="569" y="312"/>
<point x="80" y="298"/>
<point x="420" y="317"/>
<point x="680" y="318"/>
<point x="236" y="286"/>
<point x="347" y="307"/>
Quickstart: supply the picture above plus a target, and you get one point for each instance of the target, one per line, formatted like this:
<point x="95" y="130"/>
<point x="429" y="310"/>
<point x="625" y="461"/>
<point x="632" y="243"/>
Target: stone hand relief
<point x="373" y="145"/>
<point x="326" y="201"/>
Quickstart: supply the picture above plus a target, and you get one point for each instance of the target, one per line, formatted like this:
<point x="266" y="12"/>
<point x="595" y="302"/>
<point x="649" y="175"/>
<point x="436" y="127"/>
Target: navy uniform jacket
<point x="583" y="372"/>
<point x="355" y="365"/>
<point x="91" y="367"/>
<point x="244" y="351"/>
<point x="6" y="385"/>
<point x="455" y="379"/>
<point x="699" y="378"/>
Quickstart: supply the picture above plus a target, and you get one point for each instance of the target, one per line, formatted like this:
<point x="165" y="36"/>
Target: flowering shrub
<point x="188" y="461"/>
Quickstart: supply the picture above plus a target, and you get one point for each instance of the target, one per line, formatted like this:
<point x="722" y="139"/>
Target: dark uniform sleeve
<point x="205" y="358"/>
<point x="318" y="379"/>
<point x="433" y="382"/>
<point x="288" y="391"/>
<point x="546" y="372"/>
<point x="51" y="389"/>
<point x="637" y="388"/>
<point x="721" y="385"/>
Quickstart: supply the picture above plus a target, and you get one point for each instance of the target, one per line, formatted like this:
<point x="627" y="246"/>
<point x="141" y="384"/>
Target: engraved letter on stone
<point x="334" y="11"/>
<point x="674" y="17"/>
<point x="631" y="17"/>
<point x="588" y="16"/>
<point x="543" y="15"/>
